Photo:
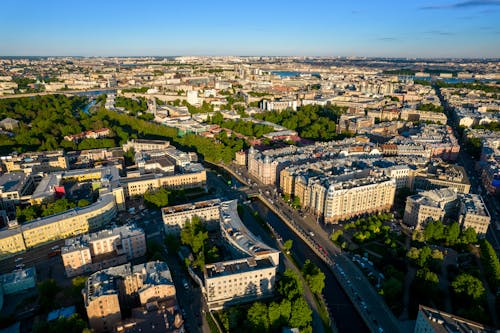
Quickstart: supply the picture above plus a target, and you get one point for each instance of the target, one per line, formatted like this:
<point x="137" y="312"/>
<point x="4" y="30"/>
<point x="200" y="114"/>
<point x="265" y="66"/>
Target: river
<point x="345" y="315"/>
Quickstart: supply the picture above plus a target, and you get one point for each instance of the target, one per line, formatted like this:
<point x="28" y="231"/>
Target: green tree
<point x="47" y="291"/>
<point x="413" y="253"/>
<point x="83" y="203"/>
<point x="274" y="314"/>
<point x="336" y="235"/>
<point x="424" y="255"/>
<point x="287" y="246"/>
<point x="157" y="199"/>
<point x="257" y="317"/>
<point x="468" y="287"/>
<point x="289" y="285"/>
<point x="301" y="314"/>
<point x="491" y="264"/>
<point x="314" y="277"/>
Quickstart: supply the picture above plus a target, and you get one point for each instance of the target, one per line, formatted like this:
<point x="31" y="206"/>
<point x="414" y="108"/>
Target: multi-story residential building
<point x="352" y="123"/>
<point x="429" y="206"/>
<point x="11" y="242"/>
<point x="59" y="226"/>
<point x="431" y="320"/>
<point x="248" y="278"/>
<point x="279" y="105"/>
<point x="402" y="174"/>
<point x="111" y="291"/>
<point x="140" y="145"/>
<point x="474" y="214"/>
<point x="358" y="196"/>
<point x="175" y="217"/>
<point x="241" y="158"/>
<point x="419" y="115"/>
<point x="195" y="178"/>
<point x="440" y="175"/>
<point x="103" y="249"/>
<point x="36" y="162"/>
<point x="15" y="186"/>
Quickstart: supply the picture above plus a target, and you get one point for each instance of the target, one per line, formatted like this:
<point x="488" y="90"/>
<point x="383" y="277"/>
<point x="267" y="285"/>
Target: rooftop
<point x="237" y="266"/>
<point x="443" y="322"/>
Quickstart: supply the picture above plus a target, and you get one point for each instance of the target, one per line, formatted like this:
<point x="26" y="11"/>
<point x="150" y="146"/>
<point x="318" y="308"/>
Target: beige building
<point x="141" y="145"/>
<point x="241" y="158"/>
<point x="358" y="196"/>
<point x="440" y="175"/>
<point x="103" y="249"/>
<point x="109" y="292"/>
<point x="419" y="115"/>
<point x="474" y="214"/>
<point x="140" y="185"/>
<point x="59" y="226"/>
<point x="47" y="161"/>
<point x="11" y="242"/>
<point x="239" y="280"/>
<point x="428" y="206"/>
<point x="175" y="217"/>
<point x="431" y="320"/>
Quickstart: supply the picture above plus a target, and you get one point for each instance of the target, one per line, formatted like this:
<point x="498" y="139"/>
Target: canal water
<point x="345" y="315"/>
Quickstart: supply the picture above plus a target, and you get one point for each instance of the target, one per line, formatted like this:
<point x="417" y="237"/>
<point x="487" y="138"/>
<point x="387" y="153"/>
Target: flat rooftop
<point x="237" y="267"/>
<point x="190" y="206"/>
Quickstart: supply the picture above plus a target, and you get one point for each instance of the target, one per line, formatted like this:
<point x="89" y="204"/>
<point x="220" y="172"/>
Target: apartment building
<point x="431" y="320"/>
<point x="103" y="249"/>
<point x="141" y="145"/>
<point x="251" y="276"/>
<point x="35" y="162"/>
<point x="13" y="187"/>
<point x="440" y="175"/>
<point x="474" y="214"/>
<point x="429" y="206"/>
<point x="279" y="105"/>
<point x="59" y="226"/>
<point x="197" y="178"/>
<point x="358" y="196"/>
<point x="175" y="217"/>
<point x="419" y="115"/>
<point x="110" y="292"/>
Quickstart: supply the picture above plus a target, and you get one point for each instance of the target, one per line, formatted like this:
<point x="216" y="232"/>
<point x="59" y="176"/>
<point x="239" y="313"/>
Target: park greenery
<point x="289" y="309"/>
<point x="38" y="114"/>
<point x="141" y="90"/>
<point x="246" y="128"/>
<point x="310" y="121"/>
<point x="72" y="324"/>
<point x="371" y="228"/>
<point x="491" y="265"/>
<point x="133" y="105"/>
<point x="435" y="232"/>
<point x="493" y="126"/>
<point x="430" y="107"/>
<point x="195" y="236"/>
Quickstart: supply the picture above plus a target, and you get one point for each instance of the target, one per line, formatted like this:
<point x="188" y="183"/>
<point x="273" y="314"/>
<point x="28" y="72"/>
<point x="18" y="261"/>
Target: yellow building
<point x="11" y="242"/>
<point x="140" y="185"/>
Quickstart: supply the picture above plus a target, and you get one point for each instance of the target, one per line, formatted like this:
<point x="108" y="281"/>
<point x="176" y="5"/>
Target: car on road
<point x="18" y="259"/>
<point x="185" y="283"/>
<point x="311" y="234"/>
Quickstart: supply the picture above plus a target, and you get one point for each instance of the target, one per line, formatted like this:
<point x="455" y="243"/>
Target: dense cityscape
<point x="260" y="194"/>
<point x="250" y="167"/>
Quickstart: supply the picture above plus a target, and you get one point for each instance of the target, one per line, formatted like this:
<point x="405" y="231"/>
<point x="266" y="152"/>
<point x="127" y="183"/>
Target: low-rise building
<point x="33" y="162"/>
<point x="18" y="281"/>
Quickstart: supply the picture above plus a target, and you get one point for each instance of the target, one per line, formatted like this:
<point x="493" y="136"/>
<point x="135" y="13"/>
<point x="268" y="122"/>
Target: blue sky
<point x="403" y="28"/>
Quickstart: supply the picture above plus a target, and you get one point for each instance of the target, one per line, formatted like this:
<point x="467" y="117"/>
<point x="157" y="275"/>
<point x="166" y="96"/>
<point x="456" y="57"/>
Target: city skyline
<point x="429" y="29"/>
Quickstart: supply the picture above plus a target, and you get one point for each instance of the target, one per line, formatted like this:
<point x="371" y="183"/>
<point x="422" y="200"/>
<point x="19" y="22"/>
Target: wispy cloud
<point x="464" y="4"/>
<point x="387" y="39"/>
<point x="439" y="33"/>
